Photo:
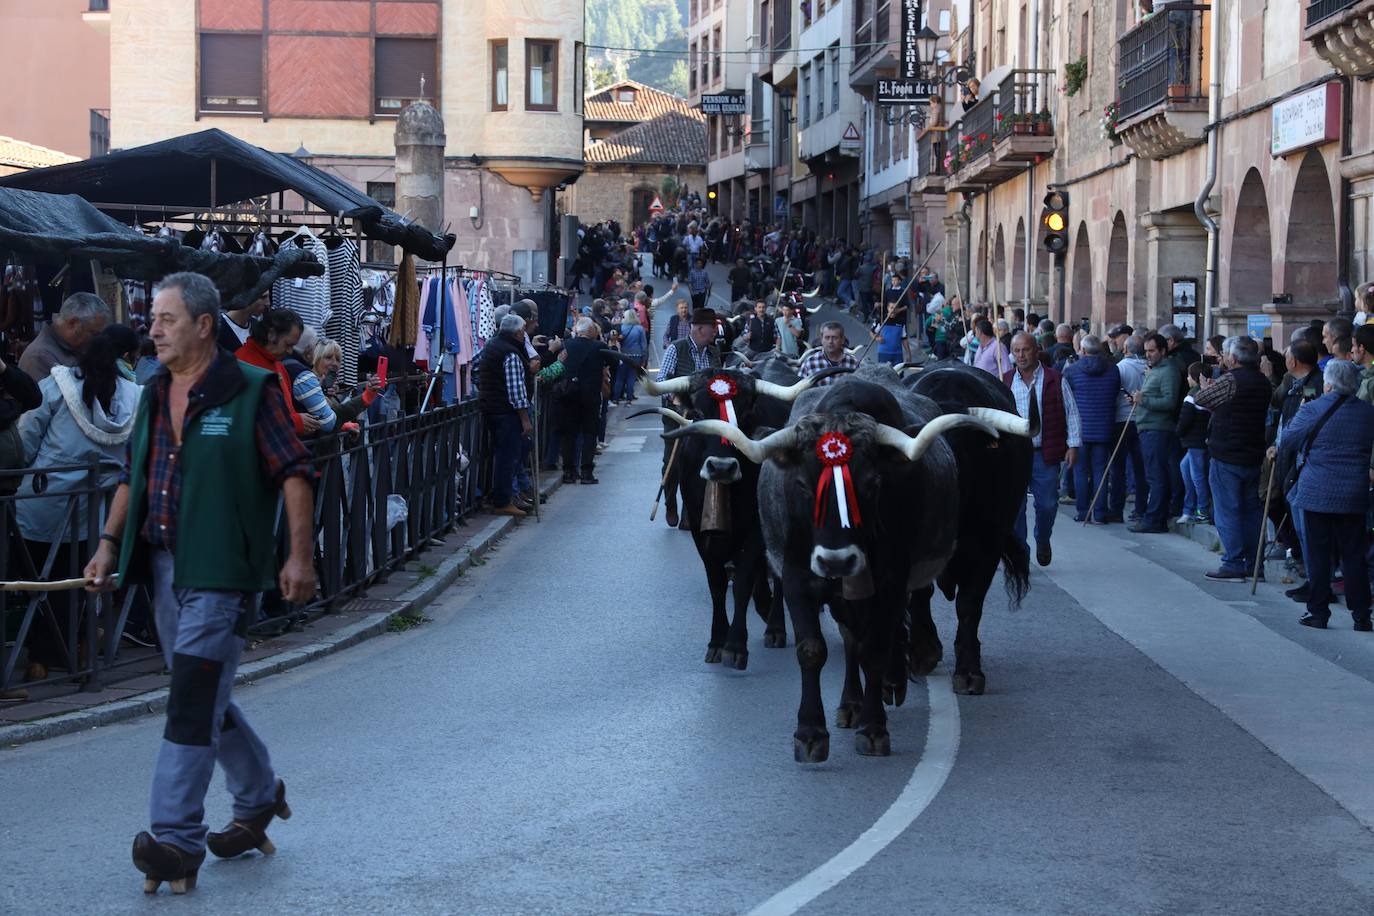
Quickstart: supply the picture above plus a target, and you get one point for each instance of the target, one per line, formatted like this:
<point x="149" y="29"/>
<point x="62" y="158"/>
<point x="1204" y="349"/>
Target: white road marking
<point x="942" y="747"/>
<point x="626" y="444"/>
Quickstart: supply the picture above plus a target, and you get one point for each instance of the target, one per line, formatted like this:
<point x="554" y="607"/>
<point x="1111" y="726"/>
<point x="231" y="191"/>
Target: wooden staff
<point x="60" y="585"/>
<point x="663" y="484"/>
<point x="1110" y="461"/>
<point x="534" y="452"/>
<point x="1264" y="521"/>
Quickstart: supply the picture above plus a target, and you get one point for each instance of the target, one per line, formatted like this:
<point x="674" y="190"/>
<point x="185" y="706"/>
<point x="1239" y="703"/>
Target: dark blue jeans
<point x="1197" y="495"/>
<point x="1237" y="511"/>
<point x="1128" y="455"/>
<point x="1088" y="472"/>
<point x="1044" y="487"/>
<point x="1330" y="538"/>
<point x="505" y="454"/>
<point x="1159" y="447"/>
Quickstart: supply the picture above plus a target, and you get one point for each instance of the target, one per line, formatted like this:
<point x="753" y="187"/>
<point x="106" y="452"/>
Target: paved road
<point x="552" y="742"/>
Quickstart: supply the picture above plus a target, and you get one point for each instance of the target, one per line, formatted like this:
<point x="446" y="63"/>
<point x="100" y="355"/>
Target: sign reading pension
<point x="905" y="92"/>
<point x="730" y="102"/>
<point x="910" y="67"/>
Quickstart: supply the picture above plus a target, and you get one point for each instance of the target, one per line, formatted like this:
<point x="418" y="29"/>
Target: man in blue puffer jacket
<point x="1096" y="384"/>
<point x="1332" y="491"/>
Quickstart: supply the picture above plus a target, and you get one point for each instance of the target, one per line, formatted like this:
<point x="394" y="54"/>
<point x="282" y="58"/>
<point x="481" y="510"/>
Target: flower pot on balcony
<point x="1042" y="128"/>
<point x="1178" y="91"/>
<point x="1023" y="127"/>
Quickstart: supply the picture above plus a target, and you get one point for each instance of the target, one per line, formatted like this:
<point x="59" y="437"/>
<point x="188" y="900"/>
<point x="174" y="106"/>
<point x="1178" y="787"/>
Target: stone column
<point x="420" y="145"/>
<point x="1175" y="246"/>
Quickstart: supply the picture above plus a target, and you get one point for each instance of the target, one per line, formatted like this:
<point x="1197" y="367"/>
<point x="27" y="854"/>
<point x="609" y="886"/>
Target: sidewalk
<point x="139" y="686"/>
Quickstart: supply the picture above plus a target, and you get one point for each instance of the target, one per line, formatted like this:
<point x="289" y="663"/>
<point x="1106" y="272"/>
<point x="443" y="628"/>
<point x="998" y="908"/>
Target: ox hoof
<point x="847" y="716"/>
<point x="739" y="660"/>
<point x="970" y="684"/>
<point x="814" y="750"/>
<point x="878" y="744"/>
<point x="894" y="694"/>
<point x="923" y="663"/>
<point x="713" y="655"/>
<point x="773" y="640"/>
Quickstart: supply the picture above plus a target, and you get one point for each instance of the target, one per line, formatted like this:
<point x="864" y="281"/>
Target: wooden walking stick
<point x="59" y="585"/>
<point x="534" y="453"/>
<point x="1264" y="522"/>
<point x="663" y="484"/>
<point x="1110" y="461"/>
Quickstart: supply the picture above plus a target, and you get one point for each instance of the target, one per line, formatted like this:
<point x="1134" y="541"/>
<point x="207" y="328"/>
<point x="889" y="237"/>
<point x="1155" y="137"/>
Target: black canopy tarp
<point x="176" y="173"/>
<point x="57" y="228"/>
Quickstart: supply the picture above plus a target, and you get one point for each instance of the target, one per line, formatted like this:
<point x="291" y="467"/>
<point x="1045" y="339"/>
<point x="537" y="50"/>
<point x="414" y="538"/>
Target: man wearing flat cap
<point x="697" y="350"/>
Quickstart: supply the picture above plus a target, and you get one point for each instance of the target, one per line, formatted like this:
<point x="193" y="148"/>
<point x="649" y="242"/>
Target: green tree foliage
<point x="644" y="25"/>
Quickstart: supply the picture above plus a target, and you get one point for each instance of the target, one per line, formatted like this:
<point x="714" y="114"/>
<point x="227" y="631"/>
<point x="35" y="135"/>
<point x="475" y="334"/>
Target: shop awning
<point x="209" y="169"/>
<point x="57" y="229"/>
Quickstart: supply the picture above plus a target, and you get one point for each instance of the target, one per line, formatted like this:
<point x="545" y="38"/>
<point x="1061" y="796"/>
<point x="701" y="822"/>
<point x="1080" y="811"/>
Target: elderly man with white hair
<point x="579" y="412"/>
<point x="503" y="398"/>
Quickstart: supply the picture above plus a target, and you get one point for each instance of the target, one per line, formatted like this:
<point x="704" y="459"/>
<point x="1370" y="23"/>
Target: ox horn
<point x="913" y="447"/>
<point x="813" y="294"/>
<point x="680" y="385"/>
<point x="756" y="451"/>
<point x="1004" y="420"/>
<point x="790" y="393"/>
<point x="811" y="311"/>
<point x="673" y="415"/>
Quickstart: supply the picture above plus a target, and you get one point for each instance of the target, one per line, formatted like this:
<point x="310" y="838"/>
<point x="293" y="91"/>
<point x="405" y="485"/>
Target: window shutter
<point x="400" y="64"/>
<point x="231" y="72"/>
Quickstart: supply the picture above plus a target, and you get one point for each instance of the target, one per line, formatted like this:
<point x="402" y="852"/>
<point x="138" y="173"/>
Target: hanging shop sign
<point x="1309" y="118"/>
<point x="910" y="67"/>
<point x="905" y="92"/>
<point x="729" y="102"/>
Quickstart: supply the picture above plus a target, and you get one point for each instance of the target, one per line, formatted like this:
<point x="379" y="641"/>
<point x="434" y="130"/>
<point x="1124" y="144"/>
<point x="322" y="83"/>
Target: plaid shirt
<point x="698" y="280"/>
<point x="701" y="359"/>
<point x="283" y="455"/>
<point x="818" y="361"/>
<point x="514" y="368"/>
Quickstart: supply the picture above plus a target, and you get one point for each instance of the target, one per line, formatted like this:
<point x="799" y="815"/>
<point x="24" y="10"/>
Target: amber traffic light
<point x="1054" y="222"/>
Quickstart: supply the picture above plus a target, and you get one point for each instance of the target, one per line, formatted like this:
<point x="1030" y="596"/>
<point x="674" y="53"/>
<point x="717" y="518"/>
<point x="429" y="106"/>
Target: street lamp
<point x="785" y="103"/>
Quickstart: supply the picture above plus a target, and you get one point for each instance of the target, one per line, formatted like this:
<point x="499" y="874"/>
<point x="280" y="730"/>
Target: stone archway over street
<point x="1118" y="267"/>
<point x="1252" y="253"/>
<point x="1310" y="262"/>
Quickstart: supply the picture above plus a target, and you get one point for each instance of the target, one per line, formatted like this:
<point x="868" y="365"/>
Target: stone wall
<point x="606" y="191"/>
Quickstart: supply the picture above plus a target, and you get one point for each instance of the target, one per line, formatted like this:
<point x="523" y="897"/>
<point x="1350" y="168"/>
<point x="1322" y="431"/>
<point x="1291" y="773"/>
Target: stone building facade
<point x="331" y="76"/>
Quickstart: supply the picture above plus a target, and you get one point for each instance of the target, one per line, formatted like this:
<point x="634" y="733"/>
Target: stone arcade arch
<point x="1118" y="267"/>
<point x="999" y="268"/>
<point x="1251" y="264"/>
<point x="1310" y="261"/>
<point x="1081" y="284"/>
<point x="1017" y="284"/>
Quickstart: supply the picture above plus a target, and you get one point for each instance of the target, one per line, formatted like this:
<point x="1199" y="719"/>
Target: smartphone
<point x="382" y="362"/>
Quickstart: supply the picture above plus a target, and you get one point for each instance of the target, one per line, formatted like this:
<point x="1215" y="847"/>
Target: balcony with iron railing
<point x="875" y="42"/>
<point x="1007" y="128"/>
<point x="1161" y="89"/>
<point x="930" y="161"/>
<point x="1342" y="34"/>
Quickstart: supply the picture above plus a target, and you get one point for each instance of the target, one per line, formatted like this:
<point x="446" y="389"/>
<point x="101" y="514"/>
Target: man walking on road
<point x="683" y="357"/>
<point x="1044" y="400"/>
<point x="213" y="446"/>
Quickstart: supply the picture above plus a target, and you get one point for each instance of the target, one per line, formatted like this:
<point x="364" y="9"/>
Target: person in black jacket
<point x="18" y="395"/>
<point x="1193" y="422"/>
<point x="580" y="409"/>
<point x="760" y="330"/>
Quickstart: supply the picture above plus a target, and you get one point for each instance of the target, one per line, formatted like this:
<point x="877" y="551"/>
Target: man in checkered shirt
<point x="831" y="355"/>
<point x="683" y="357"/>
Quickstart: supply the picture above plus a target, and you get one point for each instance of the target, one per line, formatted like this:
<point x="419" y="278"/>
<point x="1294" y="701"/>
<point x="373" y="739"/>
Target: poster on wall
<point x="901" y="238"/>
<point x="1259" y="326"/>
<point x="1185" y="295"/>
<point x="1187" y="323"/>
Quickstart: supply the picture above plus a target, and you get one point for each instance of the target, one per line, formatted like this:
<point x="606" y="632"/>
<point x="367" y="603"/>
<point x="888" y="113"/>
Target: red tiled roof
<point x="674" y="138"/>
<point x="649" y="103"/>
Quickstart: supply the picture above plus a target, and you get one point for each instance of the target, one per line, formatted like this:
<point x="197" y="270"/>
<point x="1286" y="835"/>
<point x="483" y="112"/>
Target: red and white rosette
<point x="723" y="389"/>
<point x="834" y="450"/>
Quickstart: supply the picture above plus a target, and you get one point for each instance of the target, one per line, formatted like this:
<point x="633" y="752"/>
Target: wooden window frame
<point x="492" y="45"/>
<point x="201" y="109"/>
<point x="436" y="82"/>
<point x="530" y="43"/>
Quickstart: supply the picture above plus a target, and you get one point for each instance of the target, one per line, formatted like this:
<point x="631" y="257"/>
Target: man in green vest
<point x="213" y="449"/>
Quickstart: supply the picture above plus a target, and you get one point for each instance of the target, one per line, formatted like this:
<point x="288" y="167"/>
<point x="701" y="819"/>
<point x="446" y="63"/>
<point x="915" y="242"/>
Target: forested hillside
<point x="642" y="24"/>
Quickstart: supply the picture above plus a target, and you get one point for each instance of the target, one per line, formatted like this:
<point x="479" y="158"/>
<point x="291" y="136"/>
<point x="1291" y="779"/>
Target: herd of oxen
<point x="860" y="496"/>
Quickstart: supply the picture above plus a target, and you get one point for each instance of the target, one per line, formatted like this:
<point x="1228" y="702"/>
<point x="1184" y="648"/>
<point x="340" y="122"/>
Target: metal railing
<point x="1321" y="10"/>
<point x="1022" y="94"/>
<point x="1160" y="55"/>
<point x="882" y="21"/>
<point x="782" y="29"/>
<point x="979" y="127"/>
<point x="930" y="152"/>
<point x="438" y="463"/>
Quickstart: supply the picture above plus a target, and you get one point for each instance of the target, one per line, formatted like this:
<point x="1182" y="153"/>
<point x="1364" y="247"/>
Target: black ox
<point x="860" y="542"/>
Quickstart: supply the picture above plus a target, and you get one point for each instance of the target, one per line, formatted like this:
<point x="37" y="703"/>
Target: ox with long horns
<point x="859" y="506"/>
<point x="720" y="496"/>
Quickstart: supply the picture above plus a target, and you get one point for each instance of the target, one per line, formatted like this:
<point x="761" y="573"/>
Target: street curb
<point x="418" y="596"/>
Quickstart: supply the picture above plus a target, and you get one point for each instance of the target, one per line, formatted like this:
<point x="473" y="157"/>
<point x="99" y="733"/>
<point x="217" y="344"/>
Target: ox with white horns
<point x="858" y="501"/>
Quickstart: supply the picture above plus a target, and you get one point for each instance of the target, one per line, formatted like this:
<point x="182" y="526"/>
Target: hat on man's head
<point x="1119" y="329"/>
<point x="703" y="316"/>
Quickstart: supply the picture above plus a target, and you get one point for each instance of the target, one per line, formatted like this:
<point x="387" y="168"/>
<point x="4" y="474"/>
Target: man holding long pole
<point x="213" y="450"/>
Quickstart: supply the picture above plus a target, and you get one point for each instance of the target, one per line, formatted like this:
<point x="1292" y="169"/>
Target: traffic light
<point x="710" y="195"/>
<point x="1054" y="222"/>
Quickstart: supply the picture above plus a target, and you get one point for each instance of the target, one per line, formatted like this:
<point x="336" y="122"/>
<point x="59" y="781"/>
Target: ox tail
<point x="1016" y="568"/>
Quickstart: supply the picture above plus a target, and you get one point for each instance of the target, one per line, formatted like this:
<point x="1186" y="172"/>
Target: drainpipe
<point x="1345" y="222"/>
<point x="1213" y="145"/>
<point x="1032" y="42"/>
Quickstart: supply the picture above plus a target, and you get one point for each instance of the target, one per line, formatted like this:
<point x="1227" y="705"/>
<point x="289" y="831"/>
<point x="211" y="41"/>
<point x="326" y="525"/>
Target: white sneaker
<point x="1184" y="519"/>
